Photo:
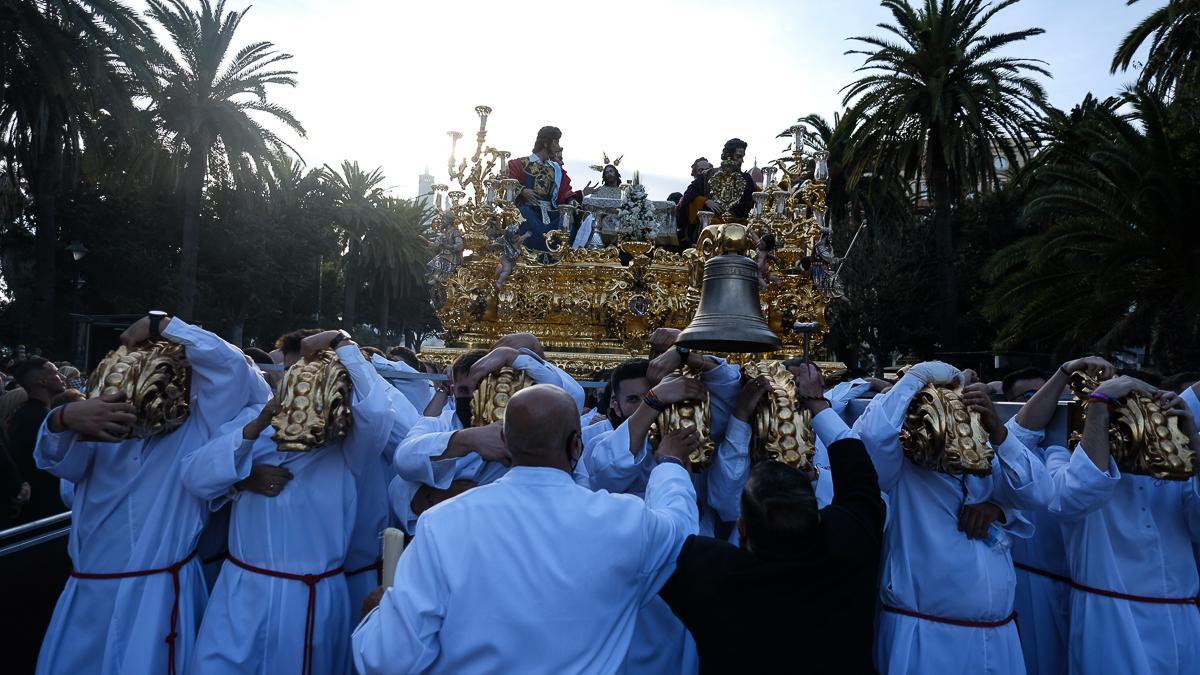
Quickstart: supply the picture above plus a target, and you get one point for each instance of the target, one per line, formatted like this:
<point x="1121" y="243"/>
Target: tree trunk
<point x="385" y="310"/>
<point x="350" y="278"/>
<point x="943" y="227"/>
<point x="193" y="191"/>
<point x="45" y="213"/>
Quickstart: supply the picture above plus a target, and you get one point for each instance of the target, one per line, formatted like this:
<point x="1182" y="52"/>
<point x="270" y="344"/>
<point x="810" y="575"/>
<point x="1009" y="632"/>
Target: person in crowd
<point x="1020" y="385"/>
<point x="136" y="594"/>
<point x="281" y="602"/>
<point x="444" y="450"/>
<point x="532" y="573"/>
<point x="785" y="539"/>
<point x="1129" y="542"/>
<point x="947" y="583"/>
<point x="1043" y="592"/>
<point x="42" y="382"/>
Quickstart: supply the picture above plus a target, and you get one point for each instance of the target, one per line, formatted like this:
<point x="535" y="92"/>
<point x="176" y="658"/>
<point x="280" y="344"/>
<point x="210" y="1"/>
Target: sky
<point x="658" y="81"/>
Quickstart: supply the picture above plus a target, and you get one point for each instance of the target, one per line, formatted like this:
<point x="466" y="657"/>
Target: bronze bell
<point x="729" y="318"/>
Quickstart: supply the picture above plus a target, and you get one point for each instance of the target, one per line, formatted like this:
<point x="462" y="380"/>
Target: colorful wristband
<point x="651" y="400"/>
<point x="1103" y="398"/>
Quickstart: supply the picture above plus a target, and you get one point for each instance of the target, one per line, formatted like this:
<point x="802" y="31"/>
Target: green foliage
<point x="1173" y="31"/>
<point x="1114" y="262"/>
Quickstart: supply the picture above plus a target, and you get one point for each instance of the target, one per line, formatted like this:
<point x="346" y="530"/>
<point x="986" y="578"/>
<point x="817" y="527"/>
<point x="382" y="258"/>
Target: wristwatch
<point x="338" y="339"/>
<point x="683" y="353"/>
<point x="156" y="316"/>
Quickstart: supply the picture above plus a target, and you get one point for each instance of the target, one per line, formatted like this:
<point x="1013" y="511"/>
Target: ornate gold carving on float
<point x="941" y="434"/>
<point x="314" y="403"/>
<point x="155" y="377"/>
<point x="686" y="414"/>
<point x="593" y="307"/>
<point x="781" y="428"/>
<point x="1142" y="438"/>
<point x="490" y="400"/>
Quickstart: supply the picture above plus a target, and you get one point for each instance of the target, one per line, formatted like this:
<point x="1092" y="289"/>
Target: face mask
<point x="462" y="408"/>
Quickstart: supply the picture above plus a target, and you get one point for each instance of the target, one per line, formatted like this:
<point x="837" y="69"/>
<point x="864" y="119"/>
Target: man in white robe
<point x="281" y="603"/>
<point x="663" y="644"/>
<point x="1129" y="542"/>
<point x="364" y="566"/>
<point x="532" y="573"/>
<point x="132" y="516"/>
<point x="1043" y="587"/>
<point x="440" y="451"/>
<point x="947" y="599"/>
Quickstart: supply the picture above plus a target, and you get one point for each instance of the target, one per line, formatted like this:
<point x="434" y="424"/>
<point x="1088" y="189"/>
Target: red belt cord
<point x="173" y="570"/>
<point x="309" y="580"/>
<point x="1103" y="592"/>
<point x="377" y="566"/>
<point x="953" y="622"/>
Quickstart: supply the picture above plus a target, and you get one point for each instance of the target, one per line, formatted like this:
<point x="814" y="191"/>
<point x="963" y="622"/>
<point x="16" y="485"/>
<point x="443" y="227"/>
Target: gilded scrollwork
<point x="782" y="429"/>
<point x="1142" y="438"/>
<point x="314" y="403"/>
<point x="941" y="434"/>
<point x="155" y="377"/>
<point x="490" y="400"/>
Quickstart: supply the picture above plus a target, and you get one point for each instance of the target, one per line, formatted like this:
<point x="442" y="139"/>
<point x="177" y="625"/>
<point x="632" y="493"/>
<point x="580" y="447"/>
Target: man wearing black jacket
<point x="800" y="593"/>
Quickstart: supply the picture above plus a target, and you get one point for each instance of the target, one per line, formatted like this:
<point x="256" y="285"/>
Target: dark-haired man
<point x="727" y="192"/>
<point x="748" y="608"/>
<point x="41" y="381"/>
<point x="543" y="186"/>
<point x="1020" y="385"/>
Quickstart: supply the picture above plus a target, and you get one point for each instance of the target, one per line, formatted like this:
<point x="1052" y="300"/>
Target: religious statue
<point x="447" y="247"/>
<point x="508" y="242"/>
<point x="764" y="248"/>
<point x="544" y="185"/>
<point x="726" y="192"/>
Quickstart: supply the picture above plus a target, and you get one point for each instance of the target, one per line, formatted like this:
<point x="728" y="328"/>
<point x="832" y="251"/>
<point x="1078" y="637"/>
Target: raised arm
<point x="223" y="380"/>
<point x="731" y="467"/>
<point x="1038" y="411"/>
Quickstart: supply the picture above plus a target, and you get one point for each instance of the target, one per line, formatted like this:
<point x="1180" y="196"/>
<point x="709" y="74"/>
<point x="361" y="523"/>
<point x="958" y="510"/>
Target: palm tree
<point x="359" y="207"/>
<point x="206" y="100"/>
<point x="939" y="105"/>
<point x="394" y="253"/>
<point x="62" y="63"/>
<point x="1115" y="264"/>
<point x="1174" y="34"/>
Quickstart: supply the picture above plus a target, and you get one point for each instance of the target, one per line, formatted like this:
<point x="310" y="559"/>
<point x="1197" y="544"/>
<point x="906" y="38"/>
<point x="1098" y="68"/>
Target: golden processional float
<point x="594" y="307"/>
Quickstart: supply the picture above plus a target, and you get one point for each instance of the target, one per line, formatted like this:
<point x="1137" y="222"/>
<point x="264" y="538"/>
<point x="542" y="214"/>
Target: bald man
<point x="532" y="573"/>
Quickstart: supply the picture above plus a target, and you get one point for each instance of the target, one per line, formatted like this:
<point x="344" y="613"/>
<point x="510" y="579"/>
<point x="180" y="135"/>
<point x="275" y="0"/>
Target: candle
<point x="393" y="546"/>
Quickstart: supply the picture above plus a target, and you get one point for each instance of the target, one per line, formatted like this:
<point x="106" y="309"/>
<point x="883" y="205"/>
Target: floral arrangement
<point x="636" y="214"/>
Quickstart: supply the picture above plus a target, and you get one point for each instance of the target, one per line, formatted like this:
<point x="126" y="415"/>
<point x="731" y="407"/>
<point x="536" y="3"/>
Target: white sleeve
<point x="210" y="470"/>
<point x="1020" y="479"/>
<point x="671" y="517"/>
<point x="611" y="465"/>
<point x="64" y="454"/>
<point x="724" y="385"/>
<point x="371" y="407"/>
<point x="841" y="394"/>
<point x="544" y="372"/>
<point x="223" y="380"/>
<point x="879" y="427"/>
<point x="729" y="471"/>
<point x="1080" y="487"/>
<point x="402" y="634"/>
<point x="830" y="428"/>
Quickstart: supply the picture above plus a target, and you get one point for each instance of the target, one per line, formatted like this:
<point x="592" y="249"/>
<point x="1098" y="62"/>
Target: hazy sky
<point x="660" y="81"/>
